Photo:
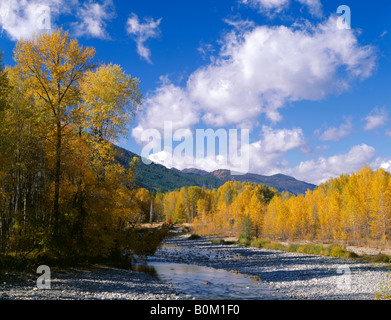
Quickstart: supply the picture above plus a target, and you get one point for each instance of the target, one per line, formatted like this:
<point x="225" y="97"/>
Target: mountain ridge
<point x="279" y="181"/>
<point x="156" y="177"/>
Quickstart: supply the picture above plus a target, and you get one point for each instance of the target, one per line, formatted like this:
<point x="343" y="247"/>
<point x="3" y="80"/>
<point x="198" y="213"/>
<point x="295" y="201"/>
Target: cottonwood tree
<point x="53" y="65"/>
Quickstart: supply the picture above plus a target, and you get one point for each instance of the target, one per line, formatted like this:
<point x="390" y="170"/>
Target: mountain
<point x="280" y="182"/>
<point x="156" y="177"/>
<point x="196" y="171"/>
<point x="159" y="178"/>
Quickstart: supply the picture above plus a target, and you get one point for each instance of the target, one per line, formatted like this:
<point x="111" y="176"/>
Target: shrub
<point x="382" y="258"/>
<point x="259" y="243"/>
<point x="194" y="236"/>
<point x="246" y="228"/>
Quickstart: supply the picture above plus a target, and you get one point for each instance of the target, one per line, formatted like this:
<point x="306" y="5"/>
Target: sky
<point x="308" y="81"/>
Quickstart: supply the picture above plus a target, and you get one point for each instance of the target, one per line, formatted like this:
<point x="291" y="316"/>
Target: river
<point x="205" y="283"/>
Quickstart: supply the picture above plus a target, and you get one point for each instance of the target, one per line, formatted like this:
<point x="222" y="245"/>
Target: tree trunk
<point x="151" y="213"/>
<point x="57" y="176"/>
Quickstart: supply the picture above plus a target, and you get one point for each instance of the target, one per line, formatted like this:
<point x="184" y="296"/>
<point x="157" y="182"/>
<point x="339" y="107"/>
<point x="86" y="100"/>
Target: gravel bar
<point x="298" y="276"/>
<point x="98" y="283"/>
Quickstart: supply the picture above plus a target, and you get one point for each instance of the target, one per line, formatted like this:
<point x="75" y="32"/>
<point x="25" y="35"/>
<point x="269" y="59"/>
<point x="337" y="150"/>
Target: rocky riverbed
<point x="291" y="275"/>
<point x="295" y="275"/>
<point x="97" y="283"/>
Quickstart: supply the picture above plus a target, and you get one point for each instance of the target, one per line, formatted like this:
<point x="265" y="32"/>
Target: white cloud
<point x="314" y="6"/>
<point x="260" y="70"/>
<point x="386" y="165"/>
<point x="282" y="140"/>
<point x="142" y="32"/>
<point x="267" y="5"/>
<point x="167" y="103"/>
<point x="92" y="19"/>
<point x="336" y="134"/>
<point x="321" y="169"/>
<point x="265" y="156"/>
<point x="376" y="119"/>
<point x="24" y="18"/>
<point x="207" y="163"/>
<point x="271" y="7"/>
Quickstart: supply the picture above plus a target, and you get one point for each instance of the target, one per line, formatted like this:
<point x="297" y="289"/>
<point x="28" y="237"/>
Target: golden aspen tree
<point x="298" y="220"/>
<point x="256" y="212"/>
<point x="311" y="198"/>
<point x="54" y="65"/>
<point x="111" y="99"/>
<point x="350" y="210"/>
<point x="380" y="206"/>
<point x="364" y="178"/>
<point x="275" y="219"/>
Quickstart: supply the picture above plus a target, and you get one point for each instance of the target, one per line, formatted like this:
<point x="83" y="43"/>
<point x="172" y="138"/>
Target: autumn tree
<point x="53" y="65"/>
<point x="380" y="203"/>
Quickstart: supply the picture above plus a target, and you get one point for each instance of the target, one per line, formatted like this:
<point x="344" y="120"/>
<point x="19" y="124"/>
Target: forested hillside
<point x="156" y="177"/>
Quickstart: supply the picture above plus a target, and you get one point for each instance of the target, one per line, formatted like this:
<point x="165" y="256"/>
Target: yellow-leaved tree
<point x="53" y="65"/>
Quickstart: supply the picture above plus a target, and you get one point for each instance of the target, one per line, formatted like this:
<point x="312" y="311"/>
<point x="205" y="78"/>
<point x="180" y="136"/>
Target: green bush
<point x="194" y="236"/>
<point x="246" y="229"/>
<point x="259" y="243"/>
<point x="382" y="258"/>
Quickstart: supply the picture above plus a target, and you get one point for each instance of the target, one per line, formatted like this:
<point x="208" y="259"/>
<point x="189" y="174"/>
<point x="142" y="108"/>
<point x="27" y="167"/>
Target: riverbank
<point x="295" y="275"/>
<point x="97" y="282"/>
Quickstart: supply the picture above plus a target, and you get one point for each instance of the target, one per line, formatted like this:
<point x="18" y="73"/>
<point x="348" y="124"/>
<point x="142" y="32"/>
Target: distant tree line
<point x="353" y="208"/>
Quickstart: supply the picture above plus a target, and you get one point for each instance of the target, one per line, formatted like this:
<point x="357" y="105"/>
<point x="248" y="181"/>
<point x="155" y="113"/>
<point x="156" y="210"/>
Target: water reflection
<point x="145" y="268"/>
<point x="210" y="284"/>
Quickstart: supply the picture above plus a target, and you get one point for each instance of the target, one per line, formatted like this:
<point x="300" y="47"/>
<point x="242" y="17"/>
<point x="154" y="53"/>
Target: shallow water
<point x="212" y="284"/>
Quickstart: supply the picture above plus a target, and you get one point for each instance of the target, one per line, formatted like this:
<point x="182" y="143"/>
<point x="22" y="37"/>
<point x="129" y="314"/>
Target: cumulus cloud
<point x="93" y="17"/>
<point x="376" y="119"/>
<point x="263" y="156"/>
<point x="260" y="70"/>
<point x="314" y="6"/>
<point x="268" y="5"/>
<point x="24" y="18"/>
<point x="271" y="7"/>
<point x="141" y="32"/>
<point x="267" y="153"/>
<point x="337" y="133"/>
<point x="320" y="170"/>
<point x="386" y="165"/>
<point x="168" y="103"/>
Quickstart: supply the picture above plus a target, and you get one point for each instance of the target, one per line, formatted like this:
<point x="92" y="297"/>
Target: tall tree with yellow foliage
<point x="53" y="65"/>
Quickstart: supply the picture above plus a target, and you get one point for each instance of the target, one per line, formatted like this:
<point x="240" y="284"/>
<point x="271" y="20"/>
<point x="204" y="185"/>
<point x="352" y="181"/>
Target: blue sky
<point x="315" y="97"/>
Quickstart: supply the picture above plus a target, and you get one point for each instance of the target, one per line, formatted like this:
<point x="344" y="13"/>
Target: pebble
<point x="297" y="275"/>
<point x="97" y="284"/>
<point x="294" y="275"/>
